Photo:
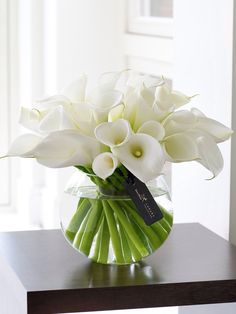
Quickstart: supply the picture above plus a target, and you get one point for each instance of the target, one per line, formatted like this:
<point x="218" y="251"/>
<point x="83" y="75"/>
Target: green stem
<point x="115" y="239"/>
<point x="165" y="224"/>
<point x="91" y="227"/>
<point x="134" y="251"/>
<point x="125" y="246"/>
<point x="105" y="241"/>
<point x="160" y="230"/>
<point x="152" y="237"/>
<point x="129" y="229"/>
<point x="77" y="219"/>
<point x="80" y="232"/>
<point x="167" y="215"/>
<point x="98" y="240"/>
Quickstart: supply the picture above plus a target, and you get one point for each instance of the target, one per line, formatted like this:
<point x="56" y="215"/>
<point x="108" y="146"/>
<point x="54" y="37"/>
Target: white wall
<point x="232" y="229"/>
<point x="203" y="64"/>
<point x="90" y="37"/>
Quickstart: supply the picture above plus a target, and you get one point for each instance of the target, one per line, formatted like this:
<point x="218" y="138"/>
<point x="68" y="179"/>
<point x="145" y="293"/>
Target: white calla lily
<point x="167" y="99"/>
<point x="30" y="118"/>
<point x="128" y="113"/>
<point x="217" y="130"/>
<point x="113" y="133"/>
<point x="76" y="91"/>
<point x="137" y="80"/>
<point x="148" y="94"/>
<point x="197" y="112"/>
<point x="137" y="111"/>
<point x="102" y="102"/>
<point x="108" y="80"/>
<point x="210" y="155"/>
<point x="56" y="119"/>
<point x="43" y="105"/>
<point x="48" y="115"/>
<point x="24" y="145"/>
<point x="180" y="147"/>
<point x="142" y="155"/>
<point x="104" y="165"/>
<point x="179" y="121"/>
<point x="153" y="128"/>
<point x="66" y="148"/>
<point x="116" y="113"/>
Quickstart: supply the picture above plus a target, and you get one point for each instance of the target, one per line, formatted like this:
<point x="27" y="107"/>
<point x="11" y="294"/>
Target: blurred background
<point x="45" y="44"/>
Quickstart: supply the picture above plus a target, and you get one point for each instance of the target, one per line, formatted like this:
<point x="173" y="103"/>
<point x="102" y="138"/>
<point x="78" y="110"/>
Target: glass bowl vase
<point x="100" y="220"/>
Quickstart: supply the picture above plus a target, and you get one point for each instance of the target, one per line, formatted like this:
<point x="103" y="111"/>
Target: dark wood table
<point x="41" y="274"/>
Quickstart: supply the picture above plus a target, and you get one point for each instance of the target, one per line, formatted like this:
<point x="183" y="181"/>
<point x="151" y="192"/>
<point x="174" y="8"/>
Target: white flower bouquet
<point x="129" y="124"/>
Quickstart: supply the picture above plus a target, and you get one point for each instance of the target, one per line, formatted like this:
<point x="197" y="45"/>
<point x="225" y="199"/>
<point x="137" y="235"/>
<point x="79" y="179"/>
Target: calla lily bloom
<point x="137" y="111"/>
<point x="116" y="113"/>
<point x="135" y="116"/>
<point x="153" y="128"/>
<point x="142" y="155"/>
<point x="180" y="147"/>
<point x="167" y="99"/>
<point x="102" y="102"/>
<point x="66" y="148"/>
<point x="210" y="155"/>
<point x="76" y="91"/>
<point x="24" y="145"/>
<point x="104" y="165"/>
<point x="58" y="149"/>
<point x="217" y="130"/>
<point x="190" y="135"/>
<point x="113" y="133"/>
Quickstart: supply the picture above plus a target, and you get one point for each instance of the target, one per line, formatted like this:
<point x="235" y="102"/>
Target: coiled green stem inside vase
<point x="108" y="229"/>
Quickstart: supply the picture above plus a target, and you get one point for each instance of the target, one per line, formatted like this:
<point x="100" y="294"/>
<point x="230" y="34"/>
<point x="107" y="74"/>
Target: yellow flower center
<point x="138" y="153"/>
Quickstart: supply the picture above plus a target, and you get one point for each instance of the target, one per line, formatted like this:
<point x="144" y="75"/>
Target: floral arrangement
<point x="129" y="119"/>
<point x="129" y="124"/>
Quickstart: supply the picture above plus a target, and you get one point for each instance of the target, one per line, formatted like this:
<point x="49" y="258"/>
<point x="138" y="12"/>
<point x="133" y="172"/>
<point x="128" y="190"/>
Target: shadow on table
<point x="99" y="275"/>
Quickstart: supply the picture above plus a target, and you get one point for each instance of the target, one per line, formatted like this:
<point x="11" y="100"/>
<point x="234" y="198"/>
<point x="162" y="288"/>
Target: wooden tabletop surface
<point x="194" y="266"/>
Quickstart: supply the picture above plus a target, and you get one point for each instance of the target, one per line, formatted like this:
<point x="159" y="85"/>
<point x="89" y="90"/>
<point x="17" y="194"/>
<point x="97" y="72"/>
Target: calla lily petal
<point x="179" y="99"/>
<point x="102" y="102"/>
<point x="153" y="128"/>
<point x="216" y="129"/>
<point x="132" y="103"/>
<point x="181" y="147"/>
<point x="57" y="119"/>
<point x="137" y="111"/>
<point x="148" y="94"/>
<point x="76" y="90"/>
<point x="30" y="118"/>
<point x="142" y="155"/>
<point x="108" y="80"/>
<point x="198" y="113"/>
<point x="66" y="148"/>
<point x="211" y="157"/>
<point x="179" y="121"/>
<point x="24" y="145"/>
<point x="116" y="113"/>
<point x="162" y="96"/>
<point x="105" y="100"/>
<point x="113" y="133"/>
<point x="170" y="99"/>
<point x="104" y="165"/>
<point x="51" y="102"/>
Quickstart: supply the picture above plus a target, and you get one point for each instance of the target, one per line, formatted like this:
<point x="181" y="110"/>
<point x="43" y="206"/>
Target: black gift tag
<point x="143" y="199"/>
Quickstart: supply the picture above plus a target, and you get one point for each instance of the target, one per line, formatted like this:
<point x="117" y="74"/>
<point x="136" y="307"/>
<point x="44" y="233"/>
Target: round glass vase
<point x="100" y="220"/>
